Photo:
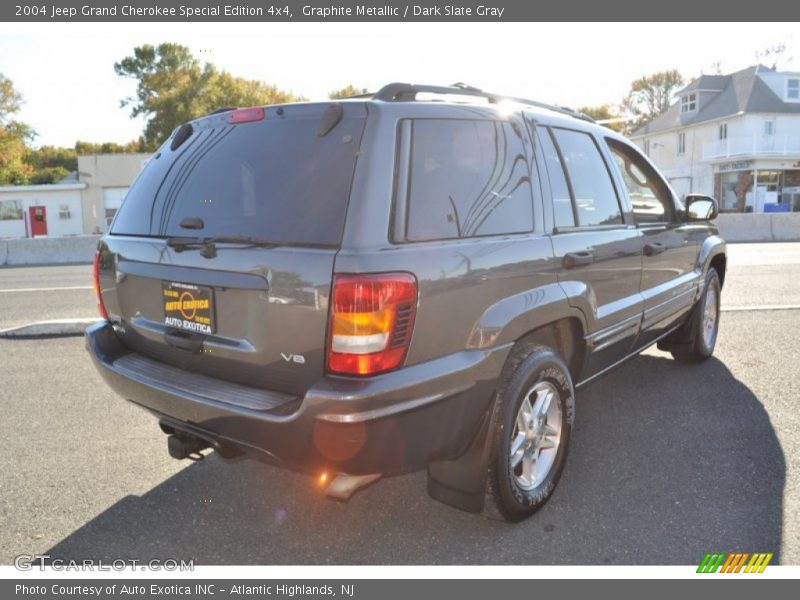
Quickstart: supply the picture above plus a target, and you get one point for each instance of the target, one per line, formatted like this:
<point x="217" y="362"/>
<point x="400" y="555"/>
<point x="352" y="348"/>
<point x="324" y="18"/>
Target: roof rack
<point x="406" y="92"/>
<point x="220" y="110"/>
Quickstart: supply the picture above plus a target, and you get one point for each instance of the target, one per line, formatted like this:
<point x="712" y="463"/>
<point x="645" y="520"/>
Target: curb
<point x="54" y="328"/>
<point x="760" y="307"/>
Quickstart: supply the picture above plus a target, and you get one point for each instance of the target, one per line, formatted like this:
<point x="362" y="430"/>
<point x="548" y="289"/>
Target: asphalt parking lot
<point x="43" y="293"/>
<point x="668" y="461"/>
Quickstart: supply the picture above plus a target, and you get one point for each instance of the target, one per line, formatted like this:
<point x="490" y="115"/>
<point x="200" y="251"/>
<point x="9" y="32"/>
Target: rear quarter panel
<point x="473" y="292"/>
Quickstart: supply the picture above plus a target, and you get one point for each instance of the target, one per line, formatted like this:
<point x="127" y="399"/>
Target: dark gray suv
<point x="419" y="278"/>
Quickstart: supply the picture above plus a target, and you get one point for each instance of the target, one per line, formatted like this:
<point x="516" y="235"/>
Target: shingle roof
<point x="707" y="82"/>
<point x="743" y="91"/>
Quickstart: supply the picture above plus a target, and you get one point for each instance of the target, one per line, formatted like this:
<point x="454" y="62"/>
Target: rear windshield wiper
<point x="208" y="245"/>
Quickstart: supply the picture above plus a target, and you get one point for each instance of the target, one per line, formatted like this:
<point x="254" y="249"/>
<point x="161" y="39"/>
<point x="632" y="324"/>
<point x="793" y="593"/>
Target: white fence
<point x="759" y="227"/>
<point x="757" y="145"/>
<point x="738" y="227"/>
<point x="43" y="251"/>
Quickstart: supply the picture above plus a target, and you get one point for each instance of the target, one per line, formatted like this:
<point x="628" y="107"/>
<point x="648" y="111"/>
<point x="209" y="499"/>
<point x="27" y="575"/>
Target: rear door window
<point x="466" y="178"/>
<point x="274" y="179"/>
<point x="594" y="194"/>
<point x="559" y="188"/>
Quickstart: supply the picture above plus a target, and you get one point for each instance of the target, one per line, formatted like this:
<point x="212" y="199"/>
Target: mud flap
<point x="683" y="338"/>
<point x="461" y="482"/>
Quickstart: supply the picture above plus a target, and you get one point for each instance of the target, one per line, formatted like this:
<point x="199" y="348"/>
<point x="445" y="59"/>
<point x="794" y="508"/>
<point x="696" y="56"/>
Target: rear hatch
<point x="223" y="249"/>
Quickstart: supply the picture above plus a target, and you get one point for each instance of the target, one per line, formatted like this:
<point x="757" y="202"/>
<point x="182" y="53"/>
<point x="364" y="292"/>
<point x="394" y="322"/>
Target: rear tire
<point x="696" y="341"/>
<point x="533" y="415"/>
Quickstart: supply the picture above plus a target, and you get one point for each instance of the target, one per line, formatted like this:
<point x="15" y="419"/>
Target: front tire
<point x="534" y="412"/>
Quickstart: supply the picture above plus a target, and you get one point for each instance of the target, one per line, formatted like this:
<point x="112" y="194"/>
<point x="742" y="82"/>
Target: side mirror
<point x="700" y="207"/>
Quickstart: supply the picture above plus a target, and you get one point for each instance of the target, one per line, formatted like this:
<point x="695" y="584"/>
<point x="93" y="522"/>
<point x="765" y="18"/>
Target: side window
<point x="562" y="199"/>
<point x="649" y="195"/>
<point x="594" y="194"/>
<point x="466" y="179"/>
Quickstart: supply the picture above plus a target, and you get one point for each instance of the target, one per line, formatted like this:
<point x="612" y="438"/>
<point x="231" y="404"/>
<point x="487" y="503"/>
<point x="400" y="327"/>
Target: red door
<point x="38" y="217"/>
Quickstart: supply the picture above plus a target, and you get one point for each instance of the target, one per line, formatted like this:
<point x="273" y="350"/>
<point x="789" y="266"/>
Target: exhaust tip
<point x="343" y="485"/>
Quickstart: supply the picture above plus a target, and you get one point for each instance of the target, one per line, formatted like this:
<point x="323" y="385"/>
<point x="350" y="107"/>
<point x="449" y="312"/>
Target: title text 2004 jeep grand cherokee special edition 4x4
<point x="391" y="283"/>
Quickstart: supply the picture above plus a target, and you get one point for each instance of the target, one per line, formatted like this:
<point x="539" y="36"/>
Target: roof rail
<point x="406" y="92"/>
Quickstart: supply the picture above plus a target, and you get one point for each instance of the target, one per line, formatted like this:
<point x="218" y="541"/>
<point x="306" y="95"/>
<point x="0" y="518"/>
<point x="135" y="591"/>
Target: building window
<point x="769" y="127"/>
<point x="723" y="131"/>
<point x="688" y="103"/>
<point x="681" y="144"/>
<point x="793" y="89"/>
<point x="733" y="188"/>
<point x="647" y="147"/>
<point x="63" y="211"/>
<point x="770" y="180"/>
<point x="10" y="210"/>
<point x="110" y="214"/>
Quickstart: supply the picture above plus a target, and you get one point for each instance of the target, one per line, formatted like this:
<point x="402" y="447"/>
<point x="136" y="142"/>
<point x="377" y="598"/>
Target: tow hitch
<point x="184" y="446"/>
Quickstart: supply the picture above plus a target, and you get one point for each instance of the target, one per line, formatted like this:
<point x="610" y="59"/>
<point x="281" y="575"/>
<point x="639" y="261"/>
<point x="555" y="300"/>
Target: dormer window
<point x="793" y="89"/>
<point x="689" y="103"/>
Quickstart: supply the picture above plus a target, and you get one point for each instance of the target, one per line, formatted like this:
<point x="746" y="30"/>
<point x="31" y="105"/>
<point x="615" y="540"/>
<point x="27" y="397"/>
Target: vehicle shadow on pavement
<point x="669" y="461"/>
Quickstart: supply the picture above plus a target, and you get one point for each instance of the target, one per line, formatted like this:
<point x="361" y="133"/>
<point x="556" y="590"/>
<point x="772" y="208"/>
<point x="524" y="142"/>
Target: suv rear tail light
<point x="371" y="320"/>
<point x="96" y="276"/>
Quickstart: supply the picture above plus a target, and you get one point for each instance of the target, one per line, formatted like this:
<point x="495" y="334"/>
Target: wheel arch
<point x="713" y="254"/>
<point x="719" y="262"/>
<point x="566" y="336"/>
<point x="543" y="315"/>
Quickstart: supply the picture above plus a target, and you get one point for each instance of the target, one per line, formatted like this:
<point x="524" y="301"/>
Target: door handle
<point x="653" y="248"/>
<point x="184" y="341"/>
<point x="573" y="259"/>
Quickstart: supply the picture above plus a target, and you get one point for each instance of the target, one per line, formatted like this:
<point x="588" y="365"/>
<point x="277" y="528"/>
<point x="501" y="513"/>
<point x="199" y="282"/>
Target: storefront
<point x="776" y="189"/>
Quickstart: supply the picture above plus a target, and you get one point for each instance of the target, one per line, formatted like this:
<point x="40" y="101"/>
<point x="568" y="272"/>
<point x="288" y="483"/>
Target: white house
<point x="41" y="210"/>
<point x="726" y="132"/>
<point x="83" y="203"/>
<point x="108" y="177"/>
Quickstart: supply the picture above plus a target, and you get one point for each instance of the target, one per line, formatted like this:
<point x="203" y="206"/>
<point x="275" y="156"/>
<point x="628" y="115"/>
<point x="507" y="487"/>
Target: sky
<point x="65" y="70"/>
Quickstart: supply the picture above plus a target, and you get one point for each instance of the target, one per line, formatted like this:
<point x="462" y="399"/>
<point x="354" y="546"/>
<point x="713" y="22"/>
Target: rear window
<point x="274" y="179"/>
<point x="465" y="179"/>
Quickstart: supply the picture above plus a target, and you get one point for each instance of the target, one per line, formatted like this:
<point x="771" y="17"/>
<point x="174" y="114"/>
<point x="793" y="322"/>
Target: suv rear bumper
<point x="394" y="422"/>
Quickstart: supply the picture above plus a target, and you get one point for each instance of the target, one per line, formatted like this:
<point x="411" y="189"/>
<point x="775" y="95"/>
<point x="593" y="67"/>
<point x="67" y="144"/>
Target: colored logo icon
<point x="735" y="562"/>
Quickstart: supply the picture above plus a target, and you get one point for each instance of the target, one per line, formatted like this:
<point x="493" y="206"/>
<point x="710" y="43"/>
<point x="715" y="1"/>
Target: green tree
<point x="224" y="90"/>
<point x="173" y="87"/>
<point x="50" y="164"/>
<point x="604" y="112"/>
<point x="83" y="148"/>
<point x="10" y="99"/>
<point x="14" y="135"/>
<point x="48" y="175"/>
<point x="52" y="157"/>
<point x="650" y="96"/>
<point x="347" y="92"/>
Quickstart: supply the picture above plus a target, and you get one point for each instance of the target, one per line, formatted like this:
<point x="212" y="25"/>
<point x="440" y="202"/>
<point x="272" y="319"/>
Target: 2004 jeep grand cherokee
<point x="415" y="279"/>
